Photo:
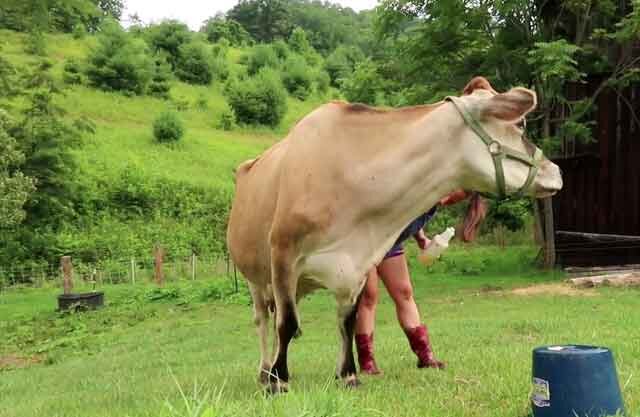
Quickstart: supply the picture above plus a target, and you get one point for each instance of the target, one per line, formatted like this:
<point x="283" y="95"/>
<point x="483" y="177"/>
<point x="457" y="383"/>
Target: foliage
<point x="341" y="63"/>
<point x="167" y="37"/>
<point x="35" y="44"/>
<point x="262" y="56"/>
<point x="220" y="68"/>
<point x="323" y="82"/>
<point x="119" y="62"/>
<point x="226" y="120"/>
<point x="218" y="28"/>
<point x="49" y="15"/>
<point x="297" y="77"/>
<point x="79" y="31"/>
<point x="364" y="85"/>
<point x="15" y="187"/>
<point x="194" y="64"/>
<point x="168" y="127"/>
<point x="298" y="41"/>
<point x="265" y="20"/>
<point x="72" y="72"/>
<point x="160" y="81"/>
<point x="511" y="214"/>
<point x="261" y="99"/>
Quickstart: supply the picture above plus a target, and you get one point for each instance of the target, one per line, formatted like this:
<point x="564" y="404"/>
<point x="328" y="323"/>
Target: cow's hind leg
<point x="284" y="283"/>
<point x="261" y="320"/>
<point x="346" y="369"/>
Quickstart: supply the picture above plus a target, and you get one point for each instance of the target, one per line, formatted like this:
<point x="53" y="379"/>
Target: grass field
<point x="190" y="349"/>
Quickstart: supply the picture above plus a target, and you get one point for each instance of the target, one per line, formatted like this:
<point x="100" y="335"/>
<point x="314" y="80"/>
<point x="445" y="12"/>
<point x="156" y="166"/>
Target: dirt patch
<point x="16" y="362"/>
<point x="553" y="289"/>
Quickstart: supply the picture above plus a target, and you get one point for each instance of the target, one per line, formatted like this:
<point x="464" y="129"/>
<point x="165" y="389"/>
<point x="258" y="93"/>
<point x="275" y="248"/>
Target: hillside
<point x="133" y="192"/>
<point x="123" y="134"/>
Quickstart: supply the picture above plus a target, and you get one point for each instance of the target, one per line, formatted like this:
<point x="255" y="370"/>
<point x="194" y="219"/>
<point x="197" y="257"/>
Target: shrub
<point x="79" y="31"/>
<point x="226" y="120"/>
<point x="167" y="37"/>
<point x="168" y="127"/>
<point x="194" y="64"/>
<point x="119" y="62"/>
<point x="262" y="56"/>
<point x="259" y="100"/>
<point x="281" y="49"/>
<point x="36" y="44"/>
<point x="219" y="28"/>
<point x="364" y="85"/>
<point x="297" y="77"/>
<point x="72" y="72"/>
<point x="323" y="82"/>
<point x="159" y="86"/>
<point x="341" y="62"/>
<point x="220" y="68"/>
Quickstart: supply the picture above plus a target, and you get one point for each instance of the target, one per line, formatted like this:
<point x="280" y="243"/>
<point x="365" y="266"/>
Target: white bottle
<point x="438" y="244"/>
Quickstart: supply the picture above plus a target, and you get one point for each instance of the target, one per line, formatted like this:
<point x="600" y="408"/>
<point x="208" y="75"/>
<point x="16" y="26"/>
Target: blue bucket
<point x="575" y="381"/>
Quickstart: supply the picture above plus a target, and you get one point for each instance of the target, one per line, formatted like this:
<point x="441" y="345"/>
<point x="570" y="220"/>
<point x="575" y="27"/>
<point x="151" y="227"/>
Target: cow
<point x="321" y="207"/>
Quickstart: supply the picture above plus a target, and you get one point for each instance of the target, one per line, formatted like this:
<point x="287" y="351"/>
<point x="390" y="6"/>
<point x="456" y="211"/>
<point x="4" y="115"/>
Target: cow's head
<point x="493" y="141"/>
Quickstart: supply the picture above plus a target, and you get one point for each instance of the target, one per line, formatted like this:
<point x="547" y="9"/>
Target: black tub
<point x="86" y="301"/>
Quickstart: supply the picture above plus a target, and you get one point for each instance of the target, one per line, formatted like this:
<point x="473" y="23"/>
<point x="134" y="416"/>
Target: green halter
<point x="499" y="152"/>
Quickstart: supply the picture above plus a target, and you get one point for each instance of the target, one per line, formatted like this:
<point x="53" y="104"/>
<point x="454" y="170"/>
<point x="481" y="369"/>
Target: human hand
<point x="422" y="240"/>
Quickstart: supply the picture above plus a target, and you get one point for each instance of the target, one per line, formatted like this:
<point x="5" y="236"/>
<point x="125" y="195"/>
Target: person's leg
<point x="365" y="324"/>
<point x="394" y="273"/>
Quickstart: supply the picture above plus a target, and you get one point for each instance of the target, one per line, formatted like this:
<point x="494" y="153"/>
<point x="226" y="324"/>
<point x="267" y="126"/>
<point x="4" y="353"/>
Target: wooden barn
<point x="596" y="217"/>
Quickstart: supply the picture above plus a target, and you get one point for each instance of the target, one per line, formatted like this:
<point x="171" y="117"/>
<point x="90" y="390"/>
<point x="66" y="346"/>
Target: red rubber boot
<point x="419" y="341"/>
<point x="364" y="346"/>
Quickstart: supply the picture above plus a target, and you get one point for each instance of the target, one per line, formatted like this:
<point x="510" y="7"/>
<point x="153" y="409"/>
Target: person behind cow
<point x="394" y="272"/>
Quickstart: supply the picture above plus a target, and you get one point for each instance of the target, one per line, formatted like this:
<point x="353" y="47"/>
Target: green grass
<point x="181" y="351"/>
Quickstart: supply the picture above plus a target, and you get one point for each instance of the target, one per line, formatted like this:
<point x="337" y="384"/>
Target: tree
<point x="119" y="62"/>
<point x="194" y="64"/>
<point x="111" y="8"/>
<point x="167" y="37"/>
<point x="15" y="187"/>
<point x="265" y="20"/>
<point x="218" y="27"/>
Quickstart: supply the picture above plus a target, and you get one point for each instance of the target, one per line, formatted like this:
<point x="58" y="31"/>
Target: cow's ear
<point x="478" y="83"/>
<point x="511" y="106"/>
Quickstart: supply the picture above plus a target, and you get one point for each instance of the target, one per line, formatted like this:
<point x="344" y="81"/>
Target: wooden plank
<point x="619" y="280"/>
<point x="633" y="198"/>
<point x="579" y="207"/>
<point x="599" y="237"/>
<point x="67" y="271"/>
<point x="550" y="247"/>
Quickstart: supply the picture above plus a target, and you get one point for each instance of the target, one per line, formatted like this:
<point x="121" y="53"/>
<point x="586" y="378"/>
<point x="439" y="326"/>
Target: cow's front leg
<point x="346" y="369"/>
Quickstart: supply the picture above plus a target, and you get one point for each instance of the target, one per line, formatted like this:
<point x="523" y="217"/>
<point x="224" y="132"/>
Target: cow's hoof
<point x="263" y="376"/>
<point x="277" y="388"/>
<point x="351" y="381"/>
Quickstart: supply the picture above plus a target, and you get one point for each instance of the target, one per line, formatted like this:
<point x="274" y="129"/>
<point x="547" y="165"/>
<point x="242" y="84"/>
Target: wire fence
<point x="123" y="271"/>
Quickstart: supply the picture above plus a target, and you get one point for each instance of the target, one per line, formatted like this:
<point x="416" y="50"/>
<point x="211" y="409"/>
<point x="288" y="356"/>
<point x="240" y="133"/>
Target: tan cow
<point x="321" y="207"/>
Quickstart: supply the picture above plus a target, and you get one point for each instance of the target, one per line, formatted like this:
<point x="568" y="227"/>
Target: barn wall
<point x="601" y="191"/>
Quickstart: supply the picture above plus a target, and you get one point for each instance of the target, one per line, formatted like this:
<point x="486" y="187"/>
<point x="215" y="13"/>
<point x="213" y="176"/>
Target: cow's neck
<point x="418" y="169"/>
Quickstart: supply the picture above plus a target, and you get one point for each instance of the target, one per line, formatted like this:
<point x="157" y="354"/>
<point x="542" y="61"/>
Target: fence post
<point x="157" y="254"/>
<point x="550" y="242"/>
<point x="193" y="266"/>
<point x="67" y="271"/>
<point x="133" y="270"/>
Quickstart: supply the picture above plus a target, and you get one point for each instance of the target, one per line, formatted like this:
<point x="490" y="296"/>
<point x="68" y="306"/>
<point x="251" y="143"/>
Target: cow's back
<point x="251" y="217"/>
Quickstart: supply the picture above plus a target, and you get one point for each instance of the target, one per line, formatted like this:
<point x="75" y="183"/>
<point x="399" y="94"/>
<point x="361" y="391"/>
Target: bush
<point x="297" y="77"/>
<point x="365" y="85"/>
<point x="259" y="100"/>
<point x="194" y="64"/>
<point x="36" y="44"/>
<point x="167" y="37"/>
<point x="159" y="86"/>
<point x="341" y="63"/>
<point x="220" y="68"/>
<point x="79" y="31"/>
<point x="168" y="127"/>
<point x="72" y="72"/>
<point x="219" y="28"/>
<point x="226" y="120"/>
<point x="281" y="49"/>
<point x="262" y="56"/>
<point x="323" y="82"/>
<point x="119" y="62"/>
